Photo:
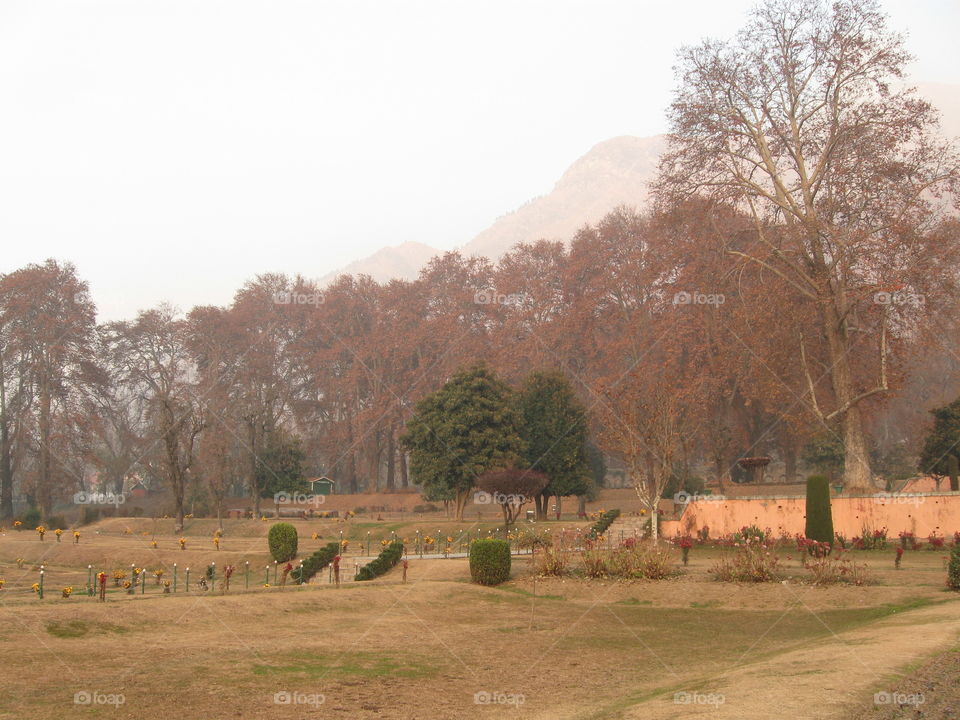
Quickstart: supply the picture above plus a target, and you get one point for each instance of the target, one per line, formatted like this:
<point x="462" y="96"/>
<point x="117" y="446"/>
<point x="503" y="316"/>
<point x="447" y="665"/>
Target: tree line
<point x="795" y="280"/>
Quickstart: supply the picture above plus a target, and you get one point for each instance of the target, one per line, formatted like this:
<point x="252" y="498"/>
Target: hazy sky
<point x="172" y="150"/>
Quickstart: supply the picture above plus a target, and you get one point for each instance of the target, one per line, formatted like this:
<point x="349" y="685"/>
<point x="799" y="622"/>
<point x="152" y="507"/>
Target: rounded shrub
<point x="953" y="569"/>
<point x="490" y="561"/>
<point x="819" y="515"/>
<point x="282" y="540"/>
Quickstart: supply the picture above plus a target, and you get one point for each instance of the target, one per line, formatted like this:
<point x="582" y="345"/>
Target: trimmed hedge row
<point x="315" y="563"/>
<point x="819" y="524"/>
<point x="490" y="561"/>
<point x="383" y="562"/>
<point x="601" y="525"/>
<point x="953" y="572"/>
<point x="282" y="540"/>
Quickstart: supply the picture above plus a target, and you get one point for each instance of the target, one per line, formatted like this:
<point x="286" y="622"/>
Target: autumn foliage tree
<point x="798" y="121"/>
<point x="511" y="489"/>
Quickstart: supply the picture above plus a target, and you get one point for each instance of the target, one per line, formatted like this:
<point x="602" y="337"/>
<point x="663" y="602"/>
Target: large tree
<point x="941" y="450"/>
<point x="801" y="121"/>
<point x="47" y="331"/>
<point x="153" y="352"/>
<point x="554" y="428"/>
<point x="462" y="430"/>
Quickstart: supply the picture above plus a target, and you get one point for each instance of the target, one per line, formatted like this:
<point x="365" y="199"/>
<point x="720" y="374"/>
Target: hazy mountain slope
<point x="613" y="172"/>
<point x="402" y="262"/>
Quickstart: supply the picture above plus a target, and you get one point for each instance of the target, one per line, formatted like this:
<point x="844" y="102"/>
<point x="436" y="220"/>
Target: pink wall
<point x="921" y="513"/>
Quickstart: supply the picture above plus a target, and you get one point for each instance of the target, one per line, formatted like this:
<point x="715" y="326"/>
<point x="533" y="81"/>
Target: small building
<point x="322" y="486"/>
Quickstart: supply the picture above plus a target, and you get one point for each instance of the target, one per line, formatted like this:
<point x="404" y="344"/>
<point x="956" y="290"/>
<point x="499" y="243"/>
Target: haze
<point x="172" y="150"/>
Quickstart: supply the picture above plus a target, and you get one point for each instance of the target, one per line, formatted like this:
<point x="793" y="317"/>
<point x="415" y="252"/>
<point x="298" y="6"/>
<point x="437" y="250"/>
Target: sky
<point x="174" y="149"/>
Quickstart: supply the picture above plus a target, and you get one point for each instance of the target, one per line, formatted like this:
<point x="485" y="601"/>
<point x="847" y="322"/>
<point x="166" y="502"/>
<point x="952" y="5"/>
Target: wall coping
<point x="879" y="496"/>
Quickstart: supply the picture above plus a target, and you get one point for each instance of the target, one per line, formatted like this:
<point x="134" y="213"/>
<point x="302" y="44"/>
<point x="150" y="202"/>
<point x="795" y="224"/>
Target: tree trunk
<point x="404" y="479"/>
<point x="856" y="470"/>
<point x="953" y="464"/>
<point x="559" y="505"/>
<point x="6" y="473"/>
<point x="788" y="447"/>
<point x="43" y="481"/>
<point x="541" y="500"/>
<point x="391" y="462"/>
<point x="254" y="484"/>
<point x="582" y="506"/>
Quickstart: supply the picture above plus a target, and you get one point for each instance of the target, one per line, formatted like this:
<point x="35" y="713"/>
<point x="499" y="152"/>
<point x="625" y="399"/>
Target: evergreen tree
<point x="467" y="427"/>
<point x="555" y="430"/>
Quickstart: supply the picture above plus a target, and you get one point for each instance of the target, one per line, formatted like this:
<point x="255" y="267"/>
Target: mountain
<point x="402" y="262"/>
<point x="614" y="172"/>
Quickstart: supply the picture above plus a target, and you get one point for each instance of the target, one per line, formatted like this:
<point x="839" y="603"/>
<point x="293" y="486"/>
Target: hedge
<point x="316" y="562"/>
<point x="282" y="540"/>
<point x="953" y="572"/>
<point x="381" y="564"/>
<point x="819" y="515"/>
<point x="490" y="561"/>
<point x="601" y="525"/>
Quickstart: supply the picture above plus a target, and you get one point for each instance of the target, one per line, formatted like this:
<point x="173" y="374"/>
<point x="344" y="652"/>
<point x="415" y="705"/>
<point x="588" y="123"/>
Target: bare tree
<point x="797" y="121"/>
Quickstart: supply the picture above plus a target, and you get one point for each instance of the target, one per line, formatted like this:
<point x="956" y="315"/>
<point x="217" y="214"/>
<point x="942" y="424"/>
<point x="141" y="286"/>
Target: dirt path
<point x="829" y="679"/>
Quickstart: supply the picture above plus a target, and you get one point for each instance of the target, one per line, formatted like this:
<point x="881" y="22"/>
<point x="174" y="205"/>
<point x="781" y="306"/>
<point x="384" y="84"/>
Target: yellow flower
<point x="384" y="542"/>
<point x="314" y="536"/>
<point x="126" y="584"/>
<point x="266" y="585"/>
<point x="58" y="532"/>
<point x="153" y="543"/>
<point x="17" y="523"/>
<point x="449" y="539"/>
<point x="66" y="591"/>
<point x="2" y="581"/>
<point x="36" y="587"/>
<point x="76" y="533"/>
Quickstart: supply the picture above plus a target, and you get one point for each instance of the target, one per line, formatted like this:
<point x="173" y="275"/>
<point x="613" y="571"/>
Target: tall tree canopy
<point x="464" y="429"/>
<point x="798" y="121"/>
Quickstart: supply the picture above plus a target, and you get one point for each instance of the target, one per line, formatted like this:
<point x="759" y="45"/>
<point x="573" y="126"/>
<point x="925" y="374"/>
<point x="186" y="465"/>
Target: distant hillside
<point x="402" y="262"/>
<point x="614" y="172"/>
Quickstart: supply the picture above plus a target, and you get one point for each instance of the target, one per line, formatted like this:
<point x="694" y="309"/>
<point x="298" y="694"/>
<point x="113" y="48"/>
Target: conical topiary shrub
<point x="819" y="515"/>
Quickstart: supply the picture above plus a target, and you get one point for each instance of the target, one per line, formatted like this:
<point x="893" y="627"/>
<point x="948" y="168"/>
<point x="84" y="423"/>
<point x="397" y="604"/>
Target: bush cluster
<point x="953" y="571"/>
<point x="637" y="560"/>
<point x="282" y="540"/>
<point x="601" y="525"/>
<point x="381" y="564"/>
<point x="315" y="563"/>
<point x="490" y="561"/>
